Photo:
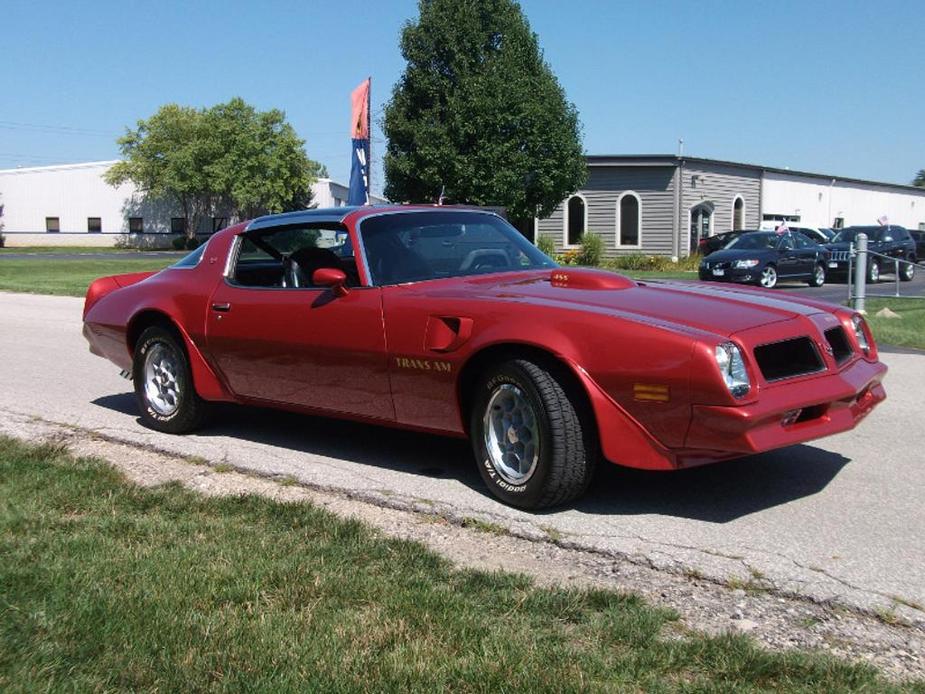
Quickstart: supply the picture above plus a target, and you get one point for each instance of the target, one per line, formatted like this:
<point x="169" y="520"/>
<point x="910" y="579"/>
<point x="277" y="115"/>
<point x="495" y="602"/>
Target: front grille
<point x="841" y="350"/>
<point x="788" y="359"/>
<point x="841" y="256"/>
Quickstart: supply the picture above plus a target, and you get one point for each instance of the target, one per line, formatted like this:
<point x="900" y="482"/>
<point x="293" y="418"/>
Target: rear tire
<point x="817" y="279"/>
<point x="164" y="383"/>
<point x="534" y="444"/>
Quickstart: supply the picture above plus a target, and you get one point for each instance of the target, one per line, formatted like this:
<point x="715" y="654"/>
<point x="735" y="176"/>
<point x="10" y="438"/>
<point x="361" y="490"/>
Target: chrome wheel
<point x="818" y="276"/>
<point x="512" y="435"/>
<point x="160" y="373"/>
<point x="873" y="275"/>
<point x="768" y="277"/>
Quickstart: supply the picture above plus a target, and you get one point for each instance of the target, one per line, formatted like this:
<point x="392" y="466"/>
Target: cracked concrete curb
<point x="743" y="602"/>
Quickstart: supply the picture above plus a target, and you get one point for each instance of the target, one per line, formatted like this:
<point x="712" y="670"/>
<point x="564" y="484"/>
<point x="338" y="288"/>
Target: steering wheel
<point x="482" y="258"/>
<point x="292" y="274"/>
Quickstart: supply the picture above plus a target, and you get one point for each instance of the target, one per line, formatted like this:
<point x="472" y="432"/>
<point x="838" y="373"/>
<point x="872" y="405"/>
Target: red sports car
<point x="446" y="320"/>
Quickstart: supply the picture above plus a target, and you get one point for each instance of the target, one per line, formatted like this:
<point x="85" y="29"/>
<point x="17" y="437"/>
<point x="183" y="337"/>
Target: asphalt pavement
<point x="837" y="519"/>
<point x="837" y="291"/>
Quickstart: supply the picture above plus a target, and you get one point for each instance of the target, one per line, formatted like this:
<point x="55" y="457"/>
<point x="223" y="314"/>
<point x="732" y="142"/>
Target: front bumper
<point x="829" y="404"/>
<point x="748" y="276"/>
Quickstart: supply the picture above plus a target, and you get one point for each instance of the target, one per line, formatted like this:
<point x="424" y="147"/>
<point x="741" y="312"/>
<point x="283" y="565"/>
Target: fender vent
<point x="788" y="358"/>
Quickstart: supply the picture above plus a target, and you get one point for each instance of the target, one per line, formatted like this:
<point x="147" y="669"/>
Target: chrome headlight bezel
<point x="860" y="333"/>
<point x="731" y="366"/>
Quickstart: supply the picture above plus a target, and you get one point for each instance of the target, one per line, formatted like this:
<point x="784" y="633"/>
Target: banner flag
<point x="359" y="136"/>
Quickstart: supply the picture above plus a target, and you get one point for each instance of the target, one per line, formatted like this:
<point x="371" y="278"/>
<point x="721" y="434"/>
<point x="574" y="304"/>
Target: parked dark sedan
<point x="763" y="257"/>
<point x="890" y="240"/>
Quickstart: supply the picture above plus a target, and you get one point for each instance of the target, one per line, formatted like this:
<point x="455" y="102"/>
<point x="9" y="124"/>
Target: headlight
<point x="732" y="367"/>
<point x="744" y="264"/>
<point x="860" y="333"/>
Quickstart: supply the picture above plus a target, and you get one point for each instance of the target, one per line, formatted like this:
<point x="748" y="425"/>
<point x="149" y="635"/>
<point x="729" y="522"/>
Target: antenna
<point x="680" y="147"/>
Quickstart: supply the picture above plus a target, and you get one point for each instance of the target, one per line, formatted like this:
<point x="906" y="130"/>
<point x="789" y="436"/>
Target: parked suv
<point x="891" y="241"/>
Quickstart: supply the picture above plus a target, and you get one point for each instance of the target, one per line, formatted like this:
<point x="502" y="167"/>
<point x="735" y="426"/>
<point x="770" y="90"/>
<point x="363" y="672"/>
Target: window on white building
<point x="177" y="225"/>
<point x="136" y="225"/>
<point x="94" y="225"/>
<point x="52" y="225"/>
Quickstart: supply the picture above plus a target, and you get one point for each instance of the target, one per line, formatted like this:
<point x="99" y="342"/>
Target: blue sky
<point x="833" y="87"/>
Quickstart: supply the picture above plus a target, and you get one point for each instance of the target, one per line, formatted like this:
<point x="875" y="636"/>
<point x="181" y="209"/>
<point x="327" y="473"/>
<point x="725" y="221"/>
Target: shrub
<point x="546" y="245"/>
<point x="592" y="248"/>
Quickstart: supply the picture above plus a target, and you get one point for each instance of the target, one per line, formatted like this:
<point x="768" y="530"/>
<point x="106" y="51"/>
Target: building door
<point x="701" y="222"/>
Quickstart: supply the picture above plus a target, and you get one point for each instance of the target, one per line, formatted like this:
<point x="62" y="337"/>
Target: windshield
<point x="754" y="241"/>
<point x="850" y="234"/>
<point x="415" y="246"/>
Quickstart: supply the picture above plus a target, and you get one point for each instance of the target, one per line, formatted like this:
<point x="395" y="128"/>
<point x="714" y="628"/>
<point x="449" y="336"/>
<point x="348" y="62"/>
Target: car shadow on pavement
<point x="366" y="444"/>
<point x="716" y="493"/>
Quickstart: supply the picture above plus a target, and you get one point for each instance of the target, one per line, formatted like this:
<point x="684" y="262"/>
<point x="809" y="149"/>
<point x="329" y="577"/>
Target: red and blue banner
<point x="359" y="136"/>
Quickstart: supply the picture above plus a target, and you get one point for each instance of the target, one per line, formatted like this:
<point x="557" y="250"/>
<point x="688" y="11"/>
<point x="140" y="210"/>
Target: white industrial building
<point x="71" y="205"/>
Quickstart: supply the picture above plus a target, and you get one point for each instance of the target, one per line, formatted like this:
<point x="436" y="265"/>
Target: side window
<point x="288" y="257"/>
<point x="802" y="241"/>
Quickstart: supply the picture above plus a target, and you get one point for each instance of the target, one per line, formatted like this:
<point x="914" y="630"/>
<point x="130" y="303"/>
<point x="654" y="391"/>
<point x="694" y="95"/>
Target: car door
<point x="304" y="347"/>
<point x="788" y="260"/>
<point x="807" y="253"/>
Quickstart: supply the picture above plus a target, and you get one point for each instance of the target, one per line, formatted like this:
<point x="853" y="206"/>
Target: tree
<point x="262" y="167"/>
<point x="919" y="179"/>
<point x="229" y="157"/>
<point x="478" y="113"/>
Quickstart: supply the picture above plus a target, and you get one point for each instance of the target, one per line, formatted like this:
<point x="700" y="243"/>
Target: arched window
<point x="738" y="213"/>
<point x="629" y="220"/>
<point x="576" y="220"/>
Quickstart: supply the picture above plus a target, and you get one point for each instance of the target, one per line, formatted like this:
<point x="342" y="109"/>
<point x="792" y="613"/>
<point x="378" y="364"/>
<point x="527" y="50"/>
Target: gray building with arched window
<point x="664" y="204"/>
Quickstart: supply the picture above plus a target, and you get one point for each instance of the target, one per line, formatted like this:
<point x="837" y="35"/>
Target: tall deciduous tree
<point x="229" y="158"/>
<point x="919" y="179"/>
<point x="479" y="113"/>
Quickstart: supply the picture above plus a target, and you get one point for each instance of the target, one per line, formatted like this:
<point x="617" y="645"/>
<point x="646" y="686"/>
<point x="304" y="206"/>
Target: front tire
<point x="768" y="277"/>
<point x="164" y="383"/>
<point x="907" y="272"/>
<point x="534" y="445"/>
<point x="817" y="279"/>
<point x="873" y="272"/>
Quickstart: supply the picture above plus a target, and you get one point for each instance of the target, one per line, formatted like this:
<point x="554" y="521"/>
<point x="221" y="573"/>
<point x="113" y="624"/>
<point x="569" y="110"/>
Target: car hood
<point x="707" y="308"/>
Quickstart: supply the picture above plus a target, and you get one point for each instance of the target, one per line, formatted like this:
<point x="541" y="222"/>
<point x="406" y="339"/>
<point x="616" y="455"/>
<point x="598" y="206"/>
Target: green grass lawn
<point x="67" y="277"/>
<point x="107" y="586"/>
<point x="906" y="331"/>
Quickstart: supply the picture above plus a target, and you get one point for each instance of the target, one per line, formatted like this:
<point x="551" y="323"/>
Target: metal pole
<point x="860" y="274"/>
<point x="850" y="271"/>
<point x="896" y="275"/>
<point x="369" y="133"/>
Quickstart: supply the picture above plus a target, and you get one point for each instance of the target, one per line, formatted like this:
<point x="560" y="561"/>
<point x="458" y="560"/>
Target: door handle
<point x="223" y="308"/>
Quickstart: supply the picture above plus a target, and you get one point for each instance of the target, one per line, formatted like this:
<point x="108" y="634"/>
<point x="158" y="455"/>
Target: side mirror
<point x="331" y="277"/>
